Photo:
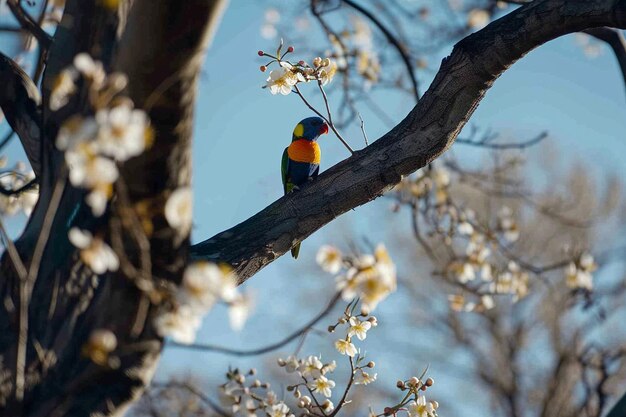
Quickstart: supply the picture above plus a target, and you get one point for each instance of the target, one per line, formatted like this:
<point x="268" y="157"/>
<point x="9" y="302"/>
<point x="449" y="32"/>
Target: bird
<point x="301" y="159"/>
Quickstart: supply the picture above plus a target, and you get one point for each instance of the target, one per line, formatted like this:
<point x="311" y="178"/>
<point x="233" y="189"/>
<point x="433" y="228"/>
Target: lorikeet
<point x="301" y="159"/>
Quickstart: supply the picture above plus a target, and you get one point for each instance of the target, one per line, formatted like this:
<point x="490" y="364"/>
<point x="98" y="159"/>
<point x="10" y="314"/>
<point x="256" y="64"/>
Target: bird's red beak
<point x="324" y="129"/>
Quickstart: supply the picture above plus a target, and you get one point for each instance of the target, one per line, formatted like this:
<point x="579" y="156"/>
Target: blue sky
<point x="241" y="131"/>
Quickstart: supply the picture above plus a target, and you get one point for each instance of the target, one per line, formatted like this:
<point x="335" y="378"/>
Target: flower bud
<point x="263" y="68"/>
<point x="305" y="401"/>
<point x="414" y="381"/>
<point x="429" y="382"/>
<point x="302" y="63"/>
<point x="371" y="364"/>
<point x="326" y="62"/>
<point x="327" y="405"/>
<point x="317" y="61"/>
<point x="400" y="384"/>
<point x="373" y="321"/>
<point x="290" y="49"/>
<point x="261" y="53"/>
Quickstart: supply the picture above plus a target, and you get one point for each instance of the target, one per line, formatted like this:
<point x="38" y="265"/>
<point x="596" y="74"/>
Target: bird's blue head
<point x="310" y="129"/>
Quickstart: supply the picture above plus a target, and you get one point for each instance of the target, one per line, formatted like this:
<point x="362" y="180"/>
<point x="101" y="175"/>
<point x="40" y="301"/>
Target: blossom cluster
<point x="204" y="284"/>
<point x="371" y="278"/>
<point x="94" y="145"/>
<point x="315" y="379"/>
<point x="315" y="374"/>
<point x="246" y="396"/>
<point x="288" y="74"/>
<point x="578" y="274"/>
<point x="97" y="143"/>
<point x="478" y="256"/>
<point x="414" y="402"/>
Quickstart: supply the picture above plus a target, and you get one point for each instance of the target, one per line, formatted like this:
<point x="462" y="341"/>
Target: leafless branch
<point x="259" y="351"/>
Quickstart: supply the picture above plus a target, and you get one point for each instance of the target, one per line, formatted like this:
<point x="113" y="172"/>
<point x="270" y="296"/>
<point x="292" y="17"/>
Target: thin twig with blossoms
<point x="288" y="75"/>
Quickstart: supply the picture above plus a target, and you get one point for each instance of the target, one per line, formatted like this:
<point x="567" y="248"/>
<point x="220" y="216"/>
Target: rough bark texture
<point x="429" y="129"/>
<point x="158" y="43"/>
<point x="68" y="300"/>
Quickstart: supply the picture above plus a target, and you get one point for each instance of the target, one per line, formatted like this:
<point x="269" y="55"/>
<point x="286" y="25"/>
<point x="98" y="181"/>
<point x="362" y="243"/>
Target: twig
<point x="297" y="90"/>
<point x="18" y="264"/>
<point x="484" y="143"/>
<point x="29" y="24"/>
<point x="342" y="402"/>
<point x="615" y="39"/>
<point x="23" y="188"/>
<point x="219" y="410"/>
<point x="269" y="348"/>
<point x="363" y="129"/>
<point x="330" y="116"/>
<point x="27" y="284"/>
<point x="393" y="41"/>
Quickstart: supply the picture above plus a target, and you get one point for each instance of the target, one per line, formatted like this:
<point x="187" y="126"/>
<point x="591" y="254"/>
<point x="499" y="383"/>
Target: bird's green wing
<point x="284" y="168"/>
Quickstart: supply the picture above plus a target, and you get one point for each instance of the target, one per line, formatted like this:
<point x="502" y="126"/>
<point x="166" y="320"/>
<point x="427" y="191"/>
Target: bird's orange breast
<point x="303" y="150"/>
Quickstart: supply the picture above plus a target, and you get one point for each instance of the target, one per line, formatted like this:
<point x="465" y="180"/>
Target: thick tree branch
<point x="615" y="39"/>
<point x="429" y="129"/>
<point x="130" y="39"/>
<point x="20" y="101"/>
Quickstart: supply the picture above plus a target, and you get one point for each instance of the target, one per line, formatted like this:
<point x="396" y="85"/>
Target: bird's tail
<point x="295" y="251"/>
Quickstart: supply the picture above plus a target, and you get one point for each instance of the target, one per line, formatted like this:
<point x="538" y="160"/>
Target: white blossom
<point x="322" y="385"/>
<point x="64" y="86"/>
<point x="421" y="408"/>
<point x="178" y="210"/>
<point x="123" y="132"/>
<point x="278" y="410"/>
<point x="478" y="18"/>
<point x="94" y="252"/>
<point x="345" y="347"/>
<point x="329" y="258"/>
<point x="363" y="378"/>
<point x="358" y="328"/>
<point x="311" y="366"/>
<point x="181" y="324"/>
<point x="239" y="310"/>
<point x="281" y="80"/>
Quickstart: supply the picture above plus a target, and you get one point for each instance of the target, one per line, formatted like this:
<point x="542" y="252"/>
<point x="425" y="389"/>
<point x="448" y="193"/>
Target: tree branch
<point x="20" y="101"/>
<point x="28" y="23"/>
<point x="615" y="39"/>
<point x="260" y="351"/>
<point x="391" y="38"/>
<point x="429" y="129"/>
